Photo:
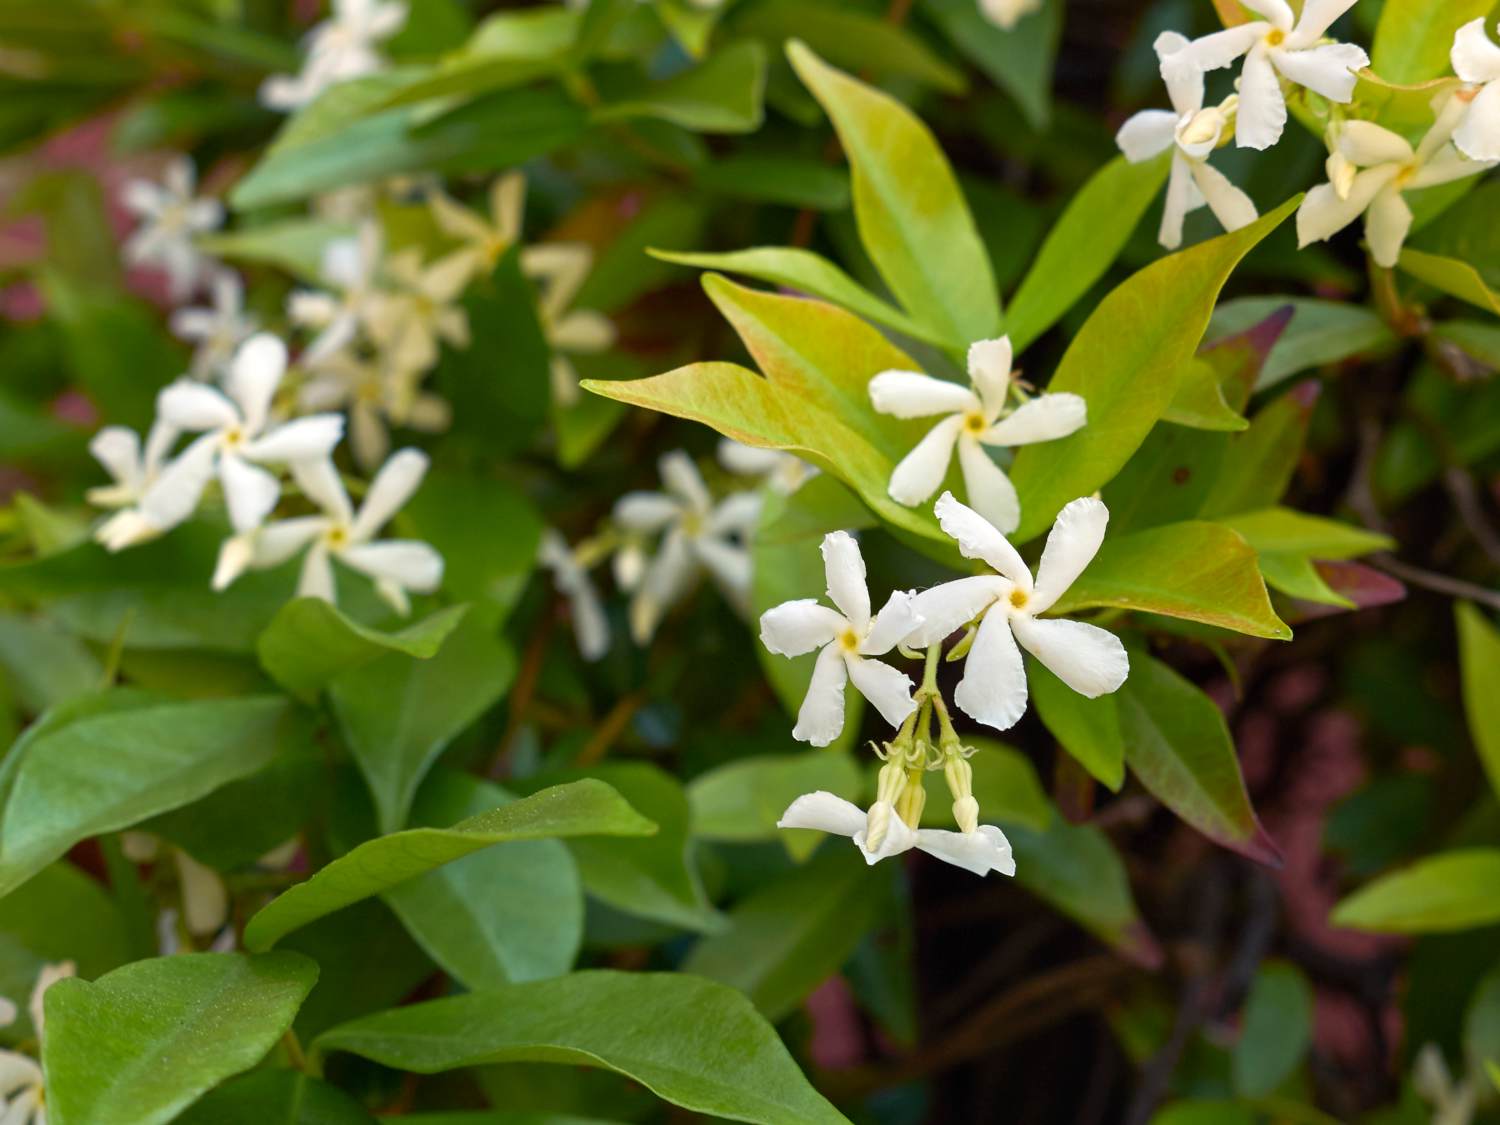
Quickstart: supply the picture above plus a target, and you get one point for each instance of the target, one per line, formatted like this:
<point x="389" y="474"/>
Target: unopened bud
<point x="877" y="823"/>
<point x="1203" y="128"/>
<point x="966" y="812"/>
<point x="913" y="799"/>
<point x="1341" y="172"/>
<point x="892" y="780"/>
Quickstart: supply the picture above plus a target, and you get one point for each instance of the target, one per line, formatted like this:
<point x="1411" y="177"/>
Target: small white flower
<point x="410" y="322"/>
<point x="485" y="241"/>
<point x="1088" y="659"/>
<point x="561" y="268"/>
<point x="975" y="418"/>
<point x="396" y="565"/>
<point x="984" y="850"/>
<point x="1476" y="59"/>
<point x="337" y="50"/>
<point x="132" y="470"/>
<point x="1387" y="166"/>
<point x="216" y="330"/>
<point x="847" y="639"/>
<point x="153" y="494"/>
<point x="238" y="435"/>
<point x="1192" y="132"/>
<point x="783" y="472"/>
<point x="590" y="626"/>
<point x="1280" y="44"/>
<point x="697" y="534"/>
<point x="377" y="394"/>
<point x="170" y="215"/>
<point x="349" y="269"/>
<point x="1005" y="14"/>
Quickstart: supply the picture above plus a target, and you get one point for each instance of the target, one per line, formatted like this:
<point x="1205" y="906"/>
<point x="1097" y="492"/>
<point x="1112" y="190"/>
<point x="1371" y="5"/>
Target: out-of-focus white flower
<point x="697" y="534"/>
<point x="560" y="268"/>
<point x="238" y="435"/>
<point x="784" y="472"/>
<point x="1005" y="14"/>
<point x="409" y="322"/>
<point x="1453" y="1102"/>
<point x="1476" y="59"/>
<point x="338" y="49"/>
<point x="22" y="1084"/>
<point x="216" y="330"/>
<point x="1090" y="660"/>
<point x="170" y="216"/>
<point x="204" y="898"/>
<point x="1192" y="132"/>
<point x="981" y="851"/>
<point x="349" y="269"/>
<point x="590" y="626"/>
<point x="377" y="394"/>
<point x="975" y="418"/>
<point x="396" y="565"/>
<point x="131" y="469"/>
<point x="1281" y="44"/>
<point x="1369" y="171"/>
<point x="485" y="241"/>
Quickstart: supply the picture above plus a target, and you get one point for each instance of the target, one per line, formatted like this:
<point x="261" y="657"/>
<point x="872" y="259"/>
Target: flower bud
<point x="966" y="812"/>
<point x="877" y="824"/>
<point x="913" y="799"/>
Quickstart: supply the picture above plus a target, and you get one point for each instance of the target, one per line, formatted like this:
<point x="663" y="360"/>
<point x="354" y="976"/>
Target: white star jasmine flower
<point x="561" y="268"/>
<point x="1476" y="59"/>
<point x="216" y="330"/>
<point x="132" y="470"/>
<point x="349" y="269"/>
<point x="485" y="241"/>
<point x="590" y="626"/>
<point x="1371" y="169"/>
<point x="398" y="566"/>
<point x="1088" y="659"/>
<point x="975" y="418"/>
<point x="1281" y="44"/>
<point x="1192" y="132"/>
<point x="337" y="50"/>
<point x="238" y="435"/>
<point x="411" y="322"/>
<point x="377" y="394"/>
<point x="981" y="851"/>
<point x="170" y="215"/>
<point x="848" y="639"/>
<point x="153" y="494"/>
<point x="783" y="472"/>
<point x="697" y="535"/>
<point x="1005" y="14"/>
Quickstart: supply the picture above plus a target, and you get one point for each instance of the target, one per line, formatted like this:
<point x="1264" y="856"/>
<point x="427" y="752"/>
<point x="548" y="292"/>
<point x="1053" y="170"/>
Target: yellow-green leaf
<point x="1451" y="891"/>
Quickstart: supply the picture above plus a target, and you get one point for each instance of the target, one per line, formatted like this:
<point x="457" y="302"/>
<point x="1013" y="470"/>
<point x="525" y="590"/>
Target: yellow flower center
<point x="1019" y="598"/>
<point x="337" y="537"/>
<point x="234" y="437"/>
<point x="848" y="640"/>
<point x="1276" y="38"/>
<point x="974" y="423"/>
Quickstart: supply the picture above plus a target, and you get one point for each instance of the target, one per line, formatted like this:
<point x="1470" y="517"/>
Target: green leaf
<point x="1195" y="570"/>
<point x="911" y="214"/>
<point x="1018" y="60"/>
<point x="1482" y="1022"/>
<point x="1413" y="37"/>
<point x="141" y="1043"/>
<point x="294" y="245"/>
<point x="309" y="642"/>
<point x="741" y="801"/>
<point x="1276" y="1031"/>
<point x="1479" y="663"/>
<point x="1478" y="340"/>
<point x="1451" y="891"/>
<point x="792" y="181"/>
<point x="1121" y="362"/>
<point x="1083" y="243"/>
<point x="723" y="94"/>
<point x="1320" y="333"/>
<point x="277" y="1097"/>
<point x="793" y="934"/>
<point x="1199" y="401"/>
<point x="44" y="664"/>
<point x="1177" y="743"/>
<point x="1283" y="530"/>
<point x="703" y="1046"/>
<point x="1258" y="463"/>
<point x="398" y="713"/>
<point x="581" y="808"/>
<point x="501" y="915"/>
<point x="1452" y="276"/>
<point x="1089" y="729"/>
<point x="105" y="772"/>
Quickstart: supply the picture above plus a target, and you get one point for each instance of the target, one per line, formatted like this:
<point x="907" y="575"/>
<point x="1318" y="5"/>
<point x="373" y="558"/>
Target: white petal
<point x="254" y="374"/>
<point x="893" y="624"/>
<point x="984" y="850"/>
<point x="1367" y="144"/>
<point x="646" y="512"/>
<point x="1386" y="225"/>
<point x="1071" y="545"/>
<point x="1478" y="135"/>
<point x="189" y="405"/>
<point x="1045" y="418"/>
<point x="797" y="627"/>
<point x="908" y="394"/>
<point x="683" y="480"/>
<point x="748" y="460"/>
<point x="993" y="690"/>
<point x="276" y="542"/>
<point x="990" y="363"/>
<point x="583" y="331"/>
<point x="392" y="487"/>
<point x="1317" y="17"/>
<point x="1475" y="56"/>
<point x="118" y="449"/>
<point x="823" y="812"/>
<point x="1331" y="69"/>
<point x="920" y="473"/>
<point x="316" y="580"/>
<point x="731" y="567"/>
<point x="590" y="625"/>
<point x="320" y="482"/>
<point x="1262" y="112"/>
<point x="1178" y="203"/>
<point x="887" y="688"/>
<point x="249" y="492"/>
<point x="1444" y="166"/>
<point x="1182" y="75"/>
<point x="736" y="514"/>
<point x="942" y="609"/>
<point x="988" y="489"/>
<point x="1212" y="52"/>
<point x="1279" y="12"/>
<point x="302" y="439"/>
<point x="844" y="570"/>
<point x="205" y="902"/>
<point x="235" y="554"/>
<point x="179" y="486"/>
<point x="311" y="309"/>
<point x="821" y="717"/>
<point x="978" y="539"/>
<point x="1147" y="134"/>
<point x="1323" y="214"/>
<point x="1088" y="659"/>
<point x="411" y="564"/>
<point x="1231" y="206"/>
<point x="667" y="579"/>
<point x="898" y="836"/>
